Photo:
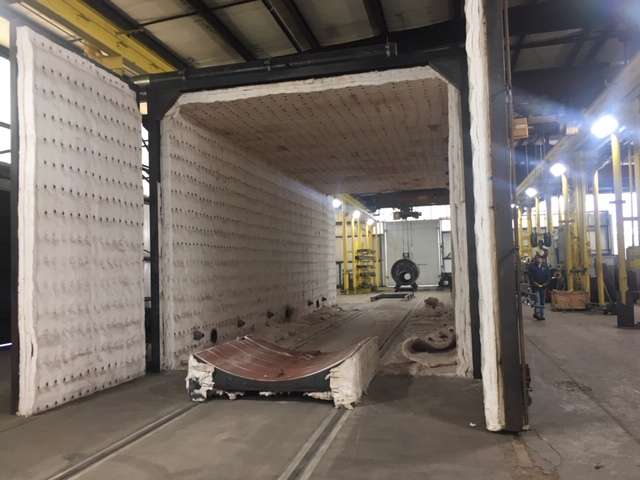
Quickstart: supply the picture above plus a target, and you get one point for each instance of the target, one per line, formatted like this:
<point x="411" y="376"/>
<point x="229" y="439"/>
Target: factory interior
<point x="319" y="239"/>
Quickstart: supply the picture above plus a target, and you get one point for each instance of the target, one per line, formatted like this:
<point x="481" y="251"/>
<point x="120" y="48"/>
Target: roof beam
<point x="405" y="198"/>
<point x="375" y="12"/>
<point x="277" y="16"/>
<point x="515" y="55"/>
<point x="137" y="31"/>
<point x="577" y="47"/>
<point x="597" y="45"/>
<point x="301" y="22"/>
<point x="100" y="32"/>
<point x="221" y="29"/>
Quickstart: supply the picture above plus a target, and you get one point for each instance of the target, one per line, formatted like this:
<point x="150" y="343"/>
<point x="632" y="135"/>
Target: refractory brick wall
<point x="241" y="243"/>
<point x="80" y="201"/>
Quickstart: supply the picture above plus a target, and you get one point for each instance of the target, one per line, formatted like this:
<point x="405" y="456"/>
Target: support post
<point x="537" y="216"/>
<point x="503" y="356"/>
<point x="636" y="170"/>
<point x="631" y="189"/>
<point x="353" y="255"/>
<point x="568" y="256"/>
<point x="599" y="269"/>
<point x="549" y="212"/>
<point x="616" y="164"/>
<point x="154" y="130"/>
<point x="529" y="232"/>
<point x="15" y="185"/>
<point x="377" y="247"/>
<point x="345" y="255"/>
<point x="520" y="233"/>
<point x="583" y="248"/>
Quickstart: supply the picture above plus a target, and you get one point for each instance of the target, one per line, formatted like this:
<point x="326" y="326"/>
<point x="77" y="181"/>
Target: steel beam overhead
<point x="375" y="12"/>
<point x="221" y="29"/>
<point x="517" y="50"/>
<point x="137" y="31"/>
<point x="296" y="14"/>
<point x="277" y="17"/>
<point x="597" y="45"/>
<point x="577" y="47"/>
<point x="101" y="32"/>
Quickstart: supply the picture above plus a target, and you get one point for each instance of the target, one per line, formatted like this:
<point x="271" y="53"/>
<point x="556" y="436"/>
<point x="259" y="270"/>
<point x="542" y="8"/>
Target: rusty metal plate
<point x="253" y="364"/>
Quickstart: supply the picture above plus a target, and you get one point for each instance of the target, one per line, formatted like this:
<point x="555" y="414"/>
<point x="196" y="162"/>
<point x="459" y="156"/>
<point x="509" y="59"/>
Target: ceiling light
<point x="604" y="126"/>
<point x="370" y="221"/>
<point x="558" y="169"/>
<point x="337" y="203"/>
<point x="356" y="214"/>
<point x="531" y="192"/>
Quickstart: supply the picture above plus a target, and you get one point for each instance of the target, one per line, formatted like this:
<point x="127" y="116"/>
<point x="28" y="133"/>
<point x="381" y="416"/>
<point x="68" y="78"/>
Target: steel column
<point x="631" y="189"/>
<point x="520" y="233"/>
<point x="549" y="212"/>
<point x="583" y="250"/>
<point x="616" y="164"/>
<point x="529" y="232"/>
<point x="636" y="170"/>
<point x="537" y="216"/>
<point x="510" y="337"/>
<point x="568" y="255"/>
<point x="599" y="269"/>
<point x="353" y="254"/>
<point x="345" y="254"/>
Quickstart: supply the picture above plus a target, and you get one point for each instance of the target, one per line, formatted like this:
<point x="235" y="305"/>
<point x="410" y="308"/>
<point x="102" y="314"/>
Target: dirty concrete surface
<point x="585" y="416"/>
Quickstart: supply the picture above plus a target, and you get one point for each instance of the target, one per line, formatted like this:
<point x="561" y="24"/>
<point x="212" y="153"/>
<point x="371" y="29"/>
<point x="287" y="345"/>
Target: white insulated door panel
<point x="418" y="238"/>
<point x="239" y="241"/>
<point x="80" y="201"/>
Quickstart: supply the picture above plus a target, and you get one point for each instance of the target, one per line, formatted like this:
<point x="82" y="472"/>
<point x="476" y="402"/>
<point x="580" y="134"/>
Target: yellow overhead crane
<point x="104" y="42"/>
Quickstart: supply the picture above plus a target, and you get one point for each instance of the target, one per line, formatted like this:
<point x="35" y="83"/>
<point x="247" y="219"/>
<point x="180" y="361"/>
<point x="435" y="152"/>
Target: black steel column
<point x="472" y="262"/>
<point x="511" y="348"/>
<point x="158" y="103"/>
<point x="454" y="70"/>
<point x="153" y="128"/>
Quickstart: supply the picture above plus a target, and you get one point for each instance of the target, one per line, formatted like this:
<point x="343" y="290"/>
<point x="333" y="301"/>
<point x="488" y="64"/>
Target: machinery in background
<point x="405" y="273"/>
<point x="366" y="268"/>
<point x="406" y="212"/>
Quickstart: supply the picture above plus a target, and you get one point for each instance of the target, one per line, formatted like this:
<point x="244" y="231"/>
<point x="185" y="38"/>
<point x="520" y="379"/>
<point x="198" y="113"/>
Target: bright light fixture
<point x="531" y="192"/>
<point x="336" y="203"/>
<point x="604" y="126"/>
<point x="513" y="205"/>
<point x="370" y="221"/>
<point x="558" y="169"/>
<point x="356" y="214"/>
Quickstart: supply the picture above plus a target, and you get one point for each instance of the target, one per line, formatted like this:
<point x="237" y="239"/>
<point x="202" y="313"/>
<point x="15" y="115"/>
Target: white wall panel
<point x="458" y="238"/>
<point x="239" y="240"/>
<point x="81" y="308"/>
<point x="488" y="301"/>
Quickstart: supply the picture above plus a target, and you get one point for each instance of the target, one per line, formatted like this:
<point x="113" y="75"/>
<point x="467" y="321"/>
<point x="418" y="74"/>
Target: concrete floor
<point x="585" y="420"/>
<point x="585" y="415"/>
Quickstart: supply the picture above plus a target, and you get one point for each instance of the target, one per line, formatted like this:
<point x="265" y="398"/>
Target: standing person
<point x="539" y="277"/>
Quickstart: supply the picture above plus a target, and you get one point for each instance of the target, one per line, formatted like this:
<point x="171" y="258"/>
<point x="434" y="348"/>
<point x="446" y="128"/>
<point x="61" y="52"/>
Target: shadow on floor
<point x="422" y="427"/>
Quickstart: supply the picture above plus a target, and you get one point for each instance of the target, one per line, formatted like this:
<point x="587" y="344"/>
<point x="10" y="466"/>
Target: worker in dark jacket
<point x="539" y="278"/>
